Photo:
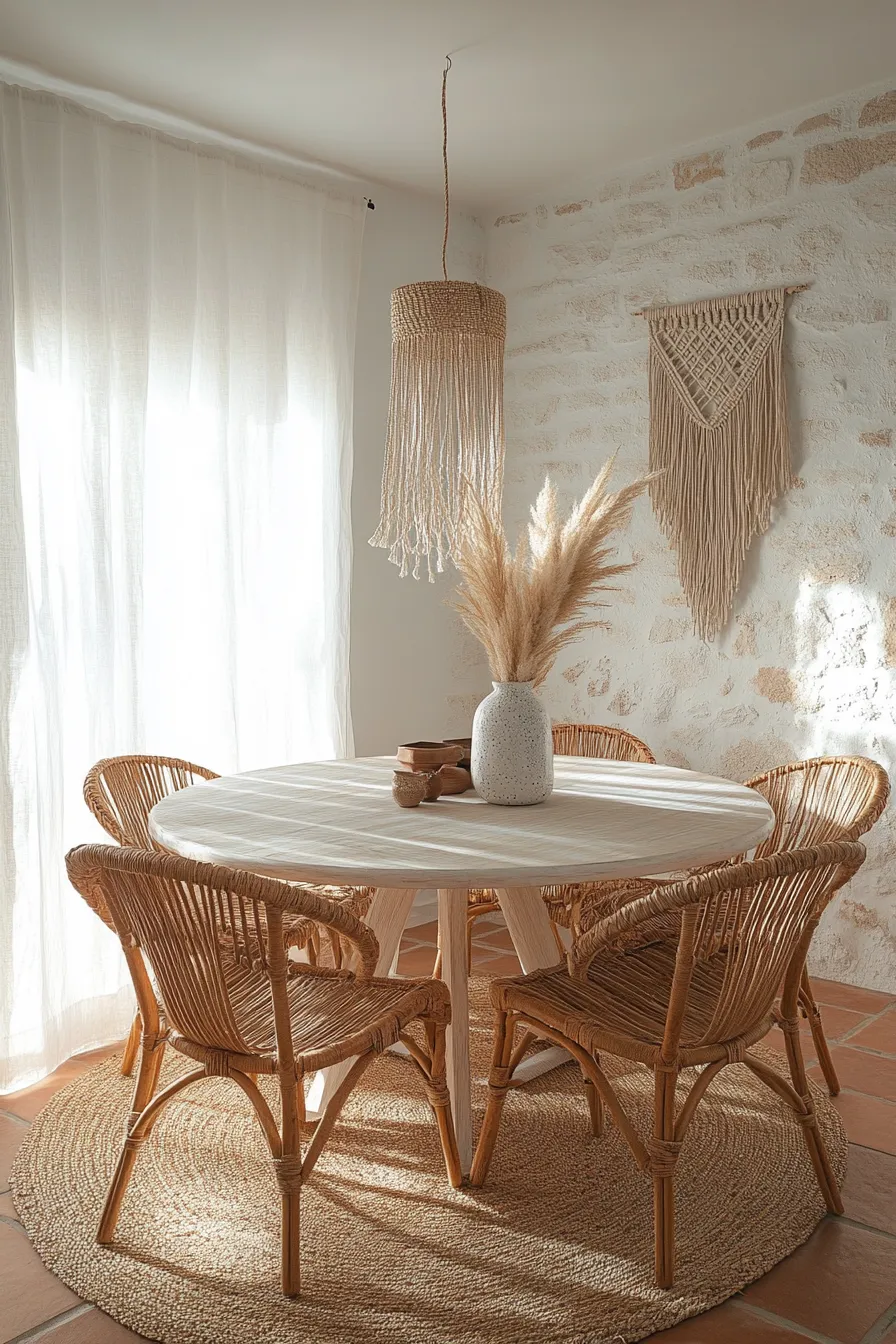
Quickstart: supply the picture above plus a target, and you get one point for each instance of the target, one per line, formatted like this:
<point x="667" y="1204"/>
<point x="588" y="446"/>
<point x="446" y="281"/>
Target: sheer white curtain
<point x="176" y="346"/>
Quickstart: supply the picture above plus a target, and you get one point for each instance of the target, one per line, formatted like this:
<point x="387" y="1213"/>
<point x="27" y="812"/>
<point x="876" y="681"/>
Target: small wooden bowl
<point x="429" y="755"/>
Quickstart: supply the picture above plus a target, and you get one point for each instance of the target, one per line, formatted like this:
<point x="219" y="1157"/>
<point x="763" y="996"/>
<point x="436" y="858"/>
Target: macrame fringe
<point x="445" y="435"/>
<point x="719" y="436"/>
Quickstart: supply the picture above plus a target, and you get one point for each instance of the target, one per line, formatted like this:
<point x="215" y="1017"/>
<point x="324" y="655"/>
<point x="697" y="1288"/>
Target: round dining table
<point x="336" y="822"/>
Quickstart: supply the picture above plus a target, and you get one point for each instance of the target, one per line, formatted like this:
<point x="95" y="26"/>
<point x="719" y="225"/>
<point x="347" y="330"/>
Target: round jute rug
<point x="557" y="1247"/>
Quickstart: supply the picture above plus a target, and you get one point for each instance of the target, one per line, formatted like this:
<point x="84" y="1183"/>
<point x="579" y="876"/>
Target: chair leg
<point x="663" y="1154"/>
<point x="827" y="1181"/>
<point x="822" y="1049"/>
<point x="290" y="1275"/>
<point x="595" y="1107"/>
<point x="132" y="1045"/>
<point x="441" y="1104"/>
<point x="497" y="1092"/>
<point x="152" y="1055"/>
<point x="131" y="1146"/>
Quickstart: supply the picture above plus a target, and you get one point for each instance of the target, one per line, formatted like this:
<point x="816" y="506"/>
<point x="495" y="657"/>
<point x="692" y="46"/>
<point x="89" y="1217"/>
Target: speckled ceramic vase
<point x="512" y="753"/>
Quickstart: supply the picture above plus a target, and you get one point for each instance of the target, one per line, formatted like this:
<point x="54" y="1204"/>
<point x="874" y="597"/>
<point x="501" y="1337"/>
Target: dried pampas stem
<point x="525" y="605"/>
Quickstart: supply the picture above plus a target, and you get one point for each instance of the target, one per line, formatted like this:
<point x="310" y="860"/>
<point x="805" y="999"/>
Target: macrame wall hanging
<point x="445" y="433"/>
<point x="719" y="436"/>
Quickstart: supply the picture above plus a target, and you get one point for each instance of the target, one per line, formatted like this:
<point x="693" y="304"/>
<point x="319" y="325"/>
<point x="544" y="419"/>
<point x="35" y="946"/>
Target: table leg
<point x="529" y="926"/>
<point x="453" y="942"/>
<point x="387" y="916"/>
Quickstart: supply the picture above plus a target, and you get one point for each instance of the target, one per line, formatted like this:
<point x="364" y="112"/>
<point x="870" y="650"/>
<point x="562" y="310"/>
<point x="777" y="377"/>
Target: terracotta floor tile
<point x="7" y="1208"/>
<point x="29" y="1293"/>
<point x="869" y="1121"/>
<point x="775" y="1039"/>
<point x="890" y="1336"/>
<point x="861" y="1071"/>
<point x="837" y="1021"/>
<point x="879" y="1035"/>
<point x="729" y="1322"/>
<point x="497" y="938"/>
<point x="419" y="961"/>
<point x="838" y="1283"/>
<point x="869" y="1191"/>
<point x="12" y="1132"/>
<point x="91" y="1327"/>
<point x="850" y="996"/>
<point x="424" y="933"/>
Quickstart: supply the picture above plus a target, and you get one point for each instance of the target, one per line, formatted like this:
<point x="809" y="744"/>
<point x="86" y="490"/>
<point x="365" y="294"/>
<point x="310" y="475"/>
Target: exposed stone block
<point x="775" y="684"/>
<point x="889" y="619"/>
<point x="647" y="254"/>
<point x="713" y="272"/>
<point x="878" y="202"/>
<point x="580" y="256"/>
<point x="691" y="172"/>
<point x="877" y="438"/>
<point x="766" y="138"/>
<point x="819" y="243"/>
<point x="745" y="644"/>
<point x="653" y="181"/>
<point x="508" y="219"/>
<point x="761" y="183"/>
<point x="818" y="123"/>
<point x="642" y="217"/>
<point x="593" y="306"/>
<point x="751" y="755"/>
<point x="879" y="110"/>
<point x="623" y="703"/>
<point x="558" y="343"/>
<point x="840" y="569"/>
<point x="845" y="160"/>
<point x="702" y="203"/>
<point x="749" y="228"/>
<point x="571" y="207"/>
<point x="610" y="191"/>
<point x="665" y="630"/>
<point x="846" y="311"/>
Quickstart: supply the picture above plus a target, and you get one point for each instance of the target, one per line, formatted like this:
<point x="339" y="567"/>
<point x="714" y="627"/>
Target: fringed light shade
<point x="446" y="418"/>
<point x="445" y="438"/>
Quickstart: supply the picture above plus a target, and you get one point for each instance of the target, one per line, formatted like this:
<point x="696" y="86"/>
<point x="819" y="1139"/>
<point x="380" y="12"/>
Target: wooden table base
<point x="530" y="928"/>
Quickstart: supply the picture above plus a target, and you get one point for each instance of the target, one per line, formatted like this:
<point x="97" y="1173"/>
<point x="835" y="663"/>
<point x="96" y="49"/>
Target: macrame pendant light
<point x="445" y="433"/>
<point x="718" y="438"/>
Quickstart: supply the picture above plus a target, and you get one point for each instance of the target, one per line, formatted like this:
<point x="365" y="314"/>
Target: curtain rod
<point x="645" y="312"/>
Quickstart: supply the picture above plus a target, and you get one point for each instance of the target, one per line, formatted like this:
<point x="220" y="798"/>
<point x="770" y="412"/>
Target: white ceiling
<point x="542" y="93"/>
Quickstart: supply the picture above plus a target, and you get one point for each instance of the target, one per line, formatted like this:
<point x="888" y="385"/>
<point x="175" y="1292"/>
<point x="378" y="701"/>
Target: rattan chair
<point x="238" y="1007"/>
<point x="705" y="1000"/>
<point x="121" y="791"/>
<point x="816" y="801"/>
<point x="823" y="799"/>
<point x="597" y="742"/>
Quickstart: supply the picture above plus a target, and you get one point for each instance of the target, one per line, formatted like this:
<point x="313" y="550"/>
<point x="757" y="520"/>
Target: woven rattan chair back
<point x="828" y="798"/>
<point x="599" y="742"/>
<point x="198" y="925"/>
<point x="753" y="920"/>
<point x="121" y="791"/>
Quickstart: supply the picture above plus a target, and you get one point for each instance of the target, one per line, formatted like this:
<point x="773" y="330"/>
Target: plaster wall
<point x="807" y="665"/>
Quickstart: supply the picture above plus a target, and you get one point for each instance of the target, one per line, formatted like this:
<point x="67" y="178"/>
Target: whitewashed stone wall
<point x="808" y="663"/>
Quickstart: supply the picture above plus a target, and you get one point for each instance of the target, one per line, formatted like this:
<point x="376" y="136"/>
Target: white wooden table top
<point x="336" y="822"/>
